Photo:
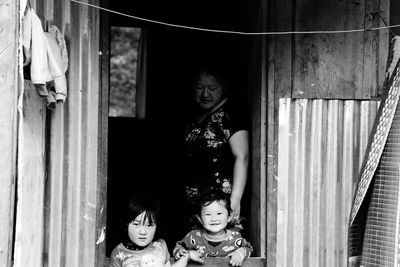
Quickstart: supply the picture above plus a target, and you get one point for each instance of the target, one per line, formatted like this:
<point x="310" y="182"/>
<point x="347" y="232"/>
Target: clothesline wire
<point x="236" y="32"/>
<point x="386" y="24"/>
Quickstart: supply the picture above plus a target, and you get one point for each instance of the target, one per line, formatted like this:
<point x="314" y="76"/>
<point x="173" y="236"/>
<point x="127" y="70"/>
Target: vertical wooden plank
<point x="9" y="34"/>
<point x="55" y="186"/>
<point x="256" y="163"/>
<point x="101" y="201"/>
<point x="375" y="46"/>
<point x="281" y="14"/>
<point x="91" y="178"/>
<point x="31" y="177"/>
<point x="328" y="65"/>
<point x="39" y="7"/>
<point x="73" y="106"/>
<point x="269" y="115"/>
<point x="55" y="191"/>
<point x="86" y="251"/>
<point x="383" y="47"/>
<point x="394" y="17"/>
<point x="49" y="10"/>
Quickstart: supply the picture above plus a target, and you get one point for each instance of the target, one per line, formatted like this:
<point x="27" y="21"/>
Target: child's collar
<point x="219" y="238"/>
<point x="133" y="246"/>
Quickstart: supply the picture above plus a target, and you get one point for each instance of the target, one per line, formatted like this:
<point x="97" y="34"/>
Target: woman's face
<point x="208" y="91"/>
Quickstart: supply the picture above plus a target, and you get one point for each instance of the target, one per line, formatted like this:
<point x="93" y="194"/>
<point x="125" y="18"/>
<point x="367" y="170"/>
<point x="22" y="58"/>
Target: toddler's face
<point x="215" y="217"/>
<point x="140" y="231"/>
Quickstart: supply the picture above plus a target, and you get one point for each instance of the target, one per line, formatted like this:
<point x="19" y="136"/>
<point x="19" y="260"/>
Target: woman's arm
<point x="239" y="143"/>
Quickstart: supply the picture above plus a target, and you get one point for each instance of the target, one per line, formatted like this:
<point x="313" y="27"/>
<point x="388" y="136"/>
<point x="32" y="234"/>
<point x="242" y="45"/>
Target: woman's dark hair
<point x="214" y="195"/>
<point x="215" y="69"/>
<point x="142" y="203"/>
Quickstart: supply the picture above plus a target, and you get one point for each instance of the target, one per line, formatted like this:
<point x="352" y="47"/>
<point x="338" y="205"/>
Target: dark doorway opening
<point x="144" y="153"/>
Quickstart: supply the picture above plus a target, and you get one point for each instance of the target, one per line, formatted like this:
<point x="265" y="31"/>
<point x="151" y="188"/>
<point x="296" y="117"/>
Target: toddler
<point x="138" y="249"/>
<point x="214" y="239"/>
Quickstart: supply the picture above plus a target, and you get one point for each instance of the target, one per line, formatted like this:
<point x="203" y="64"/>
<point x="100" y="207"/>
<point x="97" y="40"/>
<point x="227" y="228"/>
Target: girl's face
<point x="140" y="231"/>
<point x="208" y="91"/>
<point x="215" y="217"/>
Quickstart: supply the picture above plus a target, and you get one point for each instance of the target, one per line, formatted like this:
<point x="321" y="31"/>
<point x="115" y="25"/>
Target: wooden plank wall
<point x="321" y="147"/>
<point x="60" y="188"/>
<point x="31" y="179"/>
<point x="8" y="123"/>
<point x="329" y="66"/>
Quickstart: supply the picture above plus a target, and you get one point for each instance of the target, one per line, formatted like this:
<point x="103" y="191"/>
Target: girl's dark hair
<point x="214" y="195"/>
<point x="142" y="203"/>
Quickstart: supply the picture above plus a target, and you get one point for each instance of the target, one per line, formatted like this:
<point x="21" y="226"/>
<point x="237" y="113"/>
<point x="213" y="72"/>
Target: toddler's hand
<point x="236" y="258"/>
<point x="195" y="255"/>
<point x="180" y="253"/>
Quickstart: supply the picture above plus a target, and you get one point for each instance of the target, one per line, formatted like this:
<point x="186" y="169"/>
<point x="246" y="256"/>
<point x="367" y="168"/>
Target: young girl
<point x="138" y="249"/>
<point x="214" y="239"/>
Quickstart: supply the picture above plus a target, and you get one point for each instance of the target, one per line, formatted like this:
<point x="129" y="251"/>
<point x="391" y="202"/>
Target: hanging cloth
<point x="46" y="54"/>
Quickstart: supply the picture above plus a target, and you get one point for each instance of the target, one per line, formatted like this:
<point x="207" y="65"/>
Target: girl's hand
<point x="236" y="258"/>
<point x="196" y="256"/>
<point x="181" y="253"/>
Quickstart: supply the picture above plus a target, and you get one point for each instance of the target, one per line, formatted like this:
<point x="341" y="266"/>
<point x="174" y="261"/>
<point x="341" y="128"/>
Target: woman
<point x="216" y="142"/>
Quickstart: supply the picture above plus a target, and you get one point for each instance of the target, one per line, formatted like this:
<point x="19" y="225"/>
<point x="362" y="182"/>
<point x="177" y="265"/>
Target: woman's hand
<point x="239" y="144"/>
<point x="235" y="206"/>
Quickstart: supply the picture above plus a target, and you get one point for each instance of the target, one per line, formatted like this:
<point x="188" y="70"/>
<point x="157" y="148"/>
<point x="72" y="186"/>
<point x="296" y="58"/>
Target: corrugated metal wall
<point x="64" y="223"/>
<point x="74" y="202"/>
<point x="321" y="147"/>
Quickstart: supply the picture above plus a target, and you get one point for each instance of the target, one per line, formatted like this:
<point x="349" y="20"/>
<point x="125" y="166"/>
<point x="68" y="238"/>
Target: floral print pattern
<point x="209" y="156"/>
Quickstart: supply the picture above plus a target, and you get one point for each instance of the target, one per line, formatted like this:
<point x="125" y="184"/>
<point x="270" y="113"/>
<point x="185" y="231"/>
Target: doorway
<point x="144" y="151"/>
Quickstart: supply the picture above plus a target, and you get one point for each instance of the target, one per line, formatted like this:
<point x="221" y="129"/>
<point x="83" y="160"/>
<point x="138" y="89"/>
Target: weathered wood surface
<point x="61" y="216"/>
<point x="329" y="66"/>
<point x="280" y="18"/>
<point x="257" y="83"/>
<point x="319" y="157"/>
<point x="31" y="179"/>
<point x="101" y="218"/>
<point x="8" y="123"/>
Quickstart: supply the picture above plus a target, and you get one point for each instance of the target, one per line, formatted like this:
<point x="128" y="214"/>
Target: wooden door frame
<point x="263" y="204"/>
<point x="101" y="220"/>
